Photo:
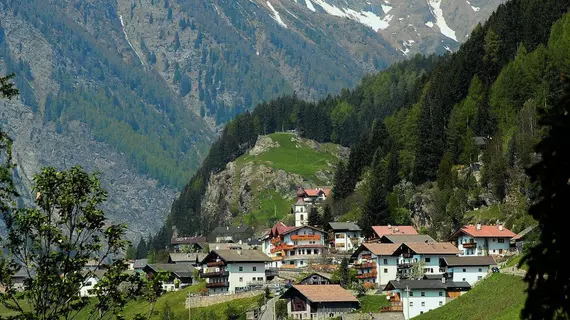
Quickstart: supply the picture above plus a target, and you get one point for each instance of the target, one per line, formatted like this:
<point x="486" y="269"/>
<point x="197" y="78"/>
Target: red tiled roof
<point x="325" y="293"/>
<point x="312" y="192"/>
<point x="485" y="232"/>
<point x="382" y="230"/>
<point x="280" y="228"/>
<point x="291" y="229"/>
<point x="432" y="247"/>
<point x="327" y="192"/>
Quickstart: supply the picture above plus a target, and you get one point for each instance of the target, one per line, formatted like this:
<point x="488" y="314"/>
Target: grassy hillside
<point x="294" y="156"/>
<point x="500" y="297"/>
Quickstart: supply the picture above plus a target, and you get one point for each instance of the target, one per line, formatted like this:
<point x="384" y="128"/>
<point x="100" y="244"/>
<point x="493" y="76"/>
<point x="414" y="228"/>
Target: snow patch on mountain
<point x="276" y="15"/>
<point x="429" y="24"/>
<point x="473" y="7"/>
<point x="386" y="8"/>
<point x="310" y="5"/>
<point x="129" y="41"/>
<point x="435" y="8"/>
<point x="367" y="18"/>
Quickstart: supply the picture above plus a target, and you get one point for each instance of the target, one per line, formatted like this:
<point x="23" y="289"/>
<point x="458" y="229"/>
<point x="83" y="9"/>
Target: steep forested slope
<point x="420" y="117"/>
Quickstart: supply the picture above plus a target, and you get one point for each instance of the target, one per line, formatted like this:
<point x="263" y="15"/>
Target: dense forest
<point x="460" y="127"/>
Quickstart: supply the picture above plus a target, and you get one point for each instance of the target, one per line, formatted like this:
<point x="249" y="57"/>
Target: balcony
<point x="467" y="245"/>
<point x="215" y="264"/>
<point x="393" y="307"/>
<point x="281" y="247"/>
<point x="214" y="274"/>
<point x="367" y="265"/>
<point x="367" y="275"/>
<point x="217" y="285"/>
<point x="271" y="272"/>
<point x="275" y="240"/>
<point x="306" y="237"/>
<point x="405" y="265"/>
<point x="366" y="257"/>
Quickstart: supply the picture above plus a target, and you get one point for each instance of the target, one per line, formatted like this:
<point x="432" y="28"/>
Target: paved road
<point x="268" y="314"/>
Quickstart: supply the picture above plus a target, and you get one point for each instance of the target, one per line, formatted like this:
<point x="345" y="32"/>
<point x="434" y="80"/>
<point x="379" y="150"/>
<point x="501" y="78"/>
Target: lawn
<point x="295" y="156"/>
<point x="514" y="261"/>
<point x="268" y="208"/>
<point x="499" y="297"/>
<point x="372" y="303"/>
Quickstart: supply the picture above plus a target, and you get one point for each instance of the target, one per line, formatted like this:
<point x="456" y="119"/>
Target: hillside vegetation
<point x="411" y="128"/>
<point x="499" y="297"/>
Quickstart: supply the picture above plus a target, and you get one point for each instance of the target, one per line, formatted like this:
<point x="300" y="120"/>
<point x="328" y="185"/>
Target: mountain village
<point x="298" y="263"/>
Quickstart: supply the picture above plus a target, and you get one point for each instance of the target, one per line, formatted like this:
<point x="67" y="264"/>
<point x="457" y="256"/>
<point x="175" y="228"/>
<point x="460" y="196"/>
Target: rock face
<point x="237" y="189"/>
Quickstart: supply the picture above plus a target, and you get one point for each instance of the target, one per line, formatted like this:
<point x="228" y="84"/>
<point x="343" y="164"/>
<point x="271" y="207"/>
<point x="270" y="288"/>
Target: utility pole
<point x="407" y="316"/>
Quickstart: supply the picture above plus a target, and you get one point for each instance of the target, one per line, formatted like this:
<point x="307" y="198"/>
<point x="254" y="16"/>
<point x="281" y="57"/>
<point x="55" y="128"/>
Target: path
<point x="268" y="314"/>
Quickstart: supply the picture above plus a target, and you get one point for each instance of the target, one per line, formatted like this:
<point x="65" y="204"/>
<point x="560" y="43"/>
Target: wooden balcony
<point x="306" y="237"/>
<point x="215" y="264"/>
<point x="217" y="285"/>
<point x="469" y="245"/>
<point x="275" y="240"/>
<point x="366" y="275"/>
<point x="214" y="274"/>
<point x="281" y="247"/>
<point x="393" y="307"/>
<point x="366" y="256"/>
<point x="366" y="265"/>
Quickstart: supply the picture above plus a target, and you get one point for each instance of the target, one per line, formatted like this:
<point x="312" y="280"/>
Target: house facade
<point x="187" y="243"/>
<point x="483" y="240"/>
<point x="314" y="195"/>
<point x="401" y="238"/>
<point x="231" y="271"/>
<point x="86" y="289"/>
<point x="301" y="210"/>
<point x="294" y="247"/>
<point x="415" y="297"/>
<point x="317" y="278"/>
<point x="180" y="274"/>
<point x="425" y="255"/>
<point x="347" y="236"/>
<point x="319" y="301"/>
<point x="470" y="269"/>
<point x="376" y="263"/>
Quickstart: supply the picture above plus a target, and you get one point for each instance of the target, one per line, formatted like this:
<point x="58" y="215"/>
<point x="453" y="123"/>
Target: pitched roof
<point x="182" y="270"/>
<point x="228" y="246"/>
<point x="187" y="240"/>
<point x="401" y="238"/>
<point x="186" y="257"/>
<point x="486" y="231"/>
<point x="426" y="284"/>
<point x="430" y="248"/>
<point x="469" y="261"/>
<point x="241" y="255"/>
<point x="327" y="276"/>
<point x="301" y="227"/>
<point x="350" y="226"/>
<point x="279" y="228"/>
<point x="382" y="230"/>
<point x="312" y="192"/>
<point x="523" y="233"/>
<point x="382" y="249"/>
<point x="140" y="263"/>
<point x="325" y="293"/>
<point x="231" y="229"/>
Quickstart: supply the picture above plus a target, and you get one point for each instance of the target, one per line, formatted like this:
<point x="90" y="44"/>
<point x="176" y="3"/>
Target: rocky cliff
<point x="259" y="187"/>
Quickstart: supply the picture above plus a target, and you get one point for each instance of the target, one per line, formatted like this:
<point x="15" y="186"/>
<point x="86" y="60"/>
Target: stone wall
<point x="204" y="301"/>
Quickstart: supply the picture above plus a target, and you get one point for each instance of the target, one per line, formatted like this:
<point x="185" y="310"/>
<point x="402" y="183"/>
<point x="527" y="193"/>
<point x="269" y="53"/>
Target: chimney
<point x="500" y="227"/>
<point x="443" y="279"/>
<point x="478" y="226"/>
<point x="239" y="252"/>
<point x="227" y="227"/>
<point x="396" y="229"/>
<point x="389" y="226"/>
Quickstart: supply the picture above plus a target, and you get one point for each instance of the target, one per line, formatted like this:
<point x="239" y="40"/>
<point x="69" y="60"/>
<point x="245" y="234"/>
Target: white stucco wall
<point x="344" y="243"/>
<point x="247" y="274"/>
<point x="301" y="215"/>
<point x="470" y="274"/>
<point x="493" y="245"/>
<point x="431" y="300"/>
<point x="387" y="268"/>
<point x="88" y="285"/>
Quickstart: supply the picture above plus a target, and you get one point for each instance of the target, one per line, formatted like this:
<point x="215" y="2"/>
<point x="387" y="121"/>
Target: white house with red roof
<point x="394" y="230"/>
<point x="313" y="195"/>
<point x="482" y="240"/>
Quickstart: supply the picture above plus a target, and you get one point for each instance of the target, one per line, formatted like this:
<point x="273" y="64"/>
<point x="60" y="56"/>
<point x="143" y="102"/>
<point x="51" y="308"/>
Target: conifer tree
<point x="314" y="218"/>
<point x="548" y="282"/>
<point x="341" y="182"/>
<point x="327" y="217"/>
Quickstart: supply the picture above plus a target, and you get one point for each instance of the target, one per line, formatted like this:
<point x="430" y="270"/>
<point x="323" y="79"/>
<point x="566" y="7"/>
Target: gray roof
<point x="469" y="261"/>
<point x="182" y="270"/>
<point x="228" y="246"/>
<point x="140" y="263"/>
<point x="350" y="226"/>
<point x="401" y="238"/>
<point x="241" y="255"/>
<point x="427" y="284"/>
<point x="480" y="141"/>
<point x="327" y="276"/>
<point x="221" y="230"/>
<point x="187" y="257"/>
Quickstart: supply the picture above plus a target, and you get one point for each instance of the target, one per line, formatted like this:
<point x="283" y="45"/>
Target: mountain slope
<point x="136" y="89"/>
<point x="259" y="187"/>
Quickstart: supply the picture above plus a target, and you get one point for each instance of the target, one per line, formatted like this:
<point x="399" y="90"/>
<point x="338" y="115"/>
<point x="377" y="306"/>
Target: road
<point x="268" y="314"/>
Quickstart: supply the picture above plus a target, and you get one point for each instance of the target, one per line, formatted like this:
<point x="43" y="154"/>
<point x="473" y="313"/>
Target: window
<point x="385" y="261"/>
<point x="423" y="294"/>
<point x="479" y="277"/>
<point x="254" y="268"/>
<point x="385" y="270"/>
<point x="441" y="303"/>
<point x="240" y="268"/>
<point x="501" y="240"/>
<point x="428" y="260"/>
<point x="411" y="293"/>
<point x="259" y="278"/>
<point x="301" y="217"/>
<point x="441" y="293"/>
<point x="493" y="250"/>
<point x="88" y="284"/>
<point x="480" y="270"/>
<point x="316" y="251"/>
<point x="423" y="303"/>
<point x="493" y="239"/>
<point x="240" y="279"/>
<point x="421" y="312"/>
<point x="411" y="303"/>
<point x="463" y="279"/>
<point x="301" y="262"/>
<point x="464" y="270"/>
